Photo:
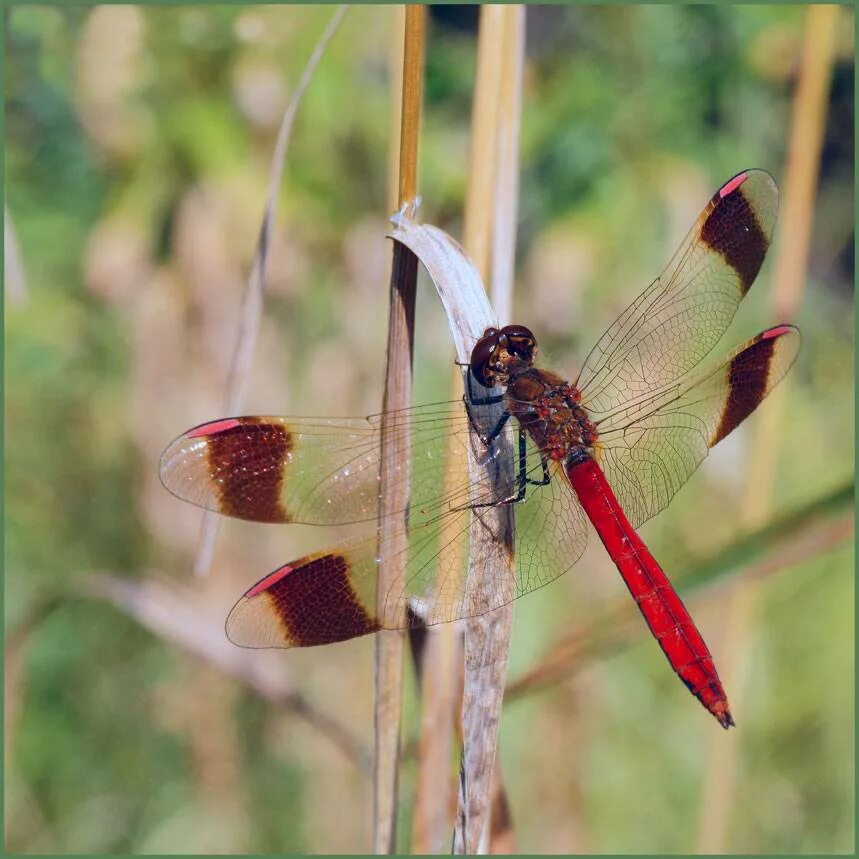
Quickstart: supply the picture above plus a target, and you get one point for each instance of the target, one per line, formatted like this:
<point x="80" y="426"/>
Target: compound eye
<point x="482" y="355"/>
<point x="521" y="342"/>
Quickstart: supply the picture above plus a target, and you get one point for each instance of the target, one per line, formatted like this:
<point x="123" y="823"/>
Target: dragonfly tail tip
<point x="724" y="717"/>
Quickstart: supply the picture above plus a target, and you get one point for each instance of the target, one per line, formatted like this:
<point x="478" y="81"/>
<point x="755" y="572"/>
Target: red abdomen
<point x="657" y="600"/>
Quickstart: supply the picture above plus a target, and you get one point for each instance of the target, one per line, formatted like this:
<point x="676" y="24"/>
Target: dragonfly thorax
<point x="550" y="411"/>
<point x="546" y="405"/>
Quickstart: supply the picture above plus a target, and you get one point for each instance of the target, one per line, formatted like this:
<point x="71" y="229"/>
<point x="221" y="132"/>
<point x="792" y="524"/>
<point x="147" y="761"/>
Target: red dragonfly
<point x="612" y="447"/>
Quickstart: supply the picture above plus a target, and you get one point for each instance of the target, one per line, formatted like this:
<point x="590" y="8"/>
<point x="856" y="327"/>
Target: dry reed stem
<point x="502" y="835"/>
<point x="477" y="218"/>
<point x="395" y="454"/>
<point x="460" y="288"/>
<point x="506" y="201"/>
<point x="455" y="278"/>
<point x="441" y="694"/>
<point x="438" y="676"/>
<point x="170" y="613"/>
<point x="251" y="312"/>
<point x="440" y="689"/>
<point x="808" y="121"/>
<point x="786" y="543"/>
<point x="494" y="144"/>
<point x="410" y="116"/>
<point x="395" y="73"/>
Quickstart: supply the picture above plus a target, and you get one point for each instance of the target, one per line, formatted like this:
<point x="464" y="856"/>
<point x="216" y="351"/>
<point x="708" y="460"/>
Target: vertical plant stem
<point x="808" y="122"/>
<point x="395" y="454"/>
<point x="441" y="692"/>
<point x="413" y="59"/>
<point x="477" y="218"/>
<point x="501" y="837"/>
<point x="440" y="701"/>
<point x="487" y="637"/>
<point x="395" y="73"/>
<point x="491" y="534"/>
<point x="441" y="697"/>
<point x="507" y="172"/>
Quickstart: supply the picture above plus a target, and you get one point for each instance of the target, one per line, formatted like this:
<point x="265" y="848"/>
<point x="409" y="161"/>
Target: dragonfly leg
<point x="522" y="479"/>
<point x="493" y="434"/>
<point x="496" y="430"/>
<point x="546" y="476"/>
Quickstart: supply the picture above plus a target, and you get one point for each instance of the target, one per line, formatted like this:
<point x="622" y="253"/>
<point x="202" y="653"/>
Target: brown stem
<point x="487" y="637"/>
<point x="395" y="455"/>
<point x="502" y="835"/>
<point x="469" y="313"/>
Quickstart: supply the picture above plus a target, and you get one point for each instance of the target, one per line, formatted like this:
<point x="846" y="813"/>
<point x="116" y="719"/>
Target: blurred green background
<point x="137" y="148"/>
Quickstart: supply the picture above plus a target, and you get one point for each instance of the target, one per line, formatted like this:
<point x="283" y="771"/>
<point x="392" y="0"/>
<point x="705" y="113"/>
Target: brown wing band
<point x="315" y="602"/>
<point x="748" y="381"/>
<point x="250" y="476"/>
<point x="733" y="230"/>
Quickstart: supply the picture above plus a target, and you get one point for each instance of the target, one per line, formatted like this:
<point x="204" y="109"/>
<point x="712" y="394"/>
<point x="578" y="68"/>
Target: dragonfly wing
<point x="318" y="599"/>
<point x="649" y="448"/>
<point x="331" y="596"/>
<point x="551" y="527"/>
<point x="316" y="471"/>
<point x="680" y="317"/>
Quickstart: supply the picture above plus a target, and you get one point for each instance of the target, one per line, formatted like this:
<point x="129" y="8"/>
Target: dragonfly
<point x="610" y="448"/>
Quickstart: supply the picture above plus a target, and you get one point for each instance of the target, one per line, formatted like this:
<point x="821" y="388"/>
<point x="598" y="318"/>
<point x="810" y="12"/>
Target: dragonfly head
<point x="500" y="351"/>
